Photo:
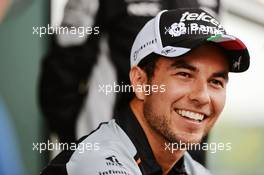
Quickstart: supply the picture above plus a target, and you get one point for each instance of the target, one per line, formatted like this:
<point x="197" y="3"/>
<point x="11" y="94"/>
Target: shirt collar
<point x="148" y="165"/>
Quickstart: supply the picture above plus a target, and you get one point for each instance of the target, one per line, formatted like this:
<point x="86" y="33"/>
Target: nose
<point x="199" y="94"/>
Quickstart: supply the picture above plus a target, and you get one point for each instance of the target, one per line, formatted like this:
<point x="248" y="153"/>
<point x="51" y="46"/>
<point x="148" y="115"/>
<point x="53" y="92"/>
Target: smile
<point x="191" y="115"/>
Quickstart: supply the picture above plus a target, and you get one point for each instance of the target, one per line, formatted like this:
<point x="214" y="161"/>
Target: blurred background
<point x="21" y="123"/>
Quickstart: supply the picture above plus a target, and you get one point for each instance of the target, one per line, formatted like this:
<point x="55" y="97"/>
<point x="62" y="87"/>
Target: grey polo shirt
<point x="117" y="147"/>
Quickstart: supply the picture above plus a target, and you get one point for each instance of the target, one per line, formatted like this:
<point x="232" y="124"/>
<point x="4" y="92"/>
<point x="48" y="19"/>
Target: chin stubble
<point x="159" y="123"/>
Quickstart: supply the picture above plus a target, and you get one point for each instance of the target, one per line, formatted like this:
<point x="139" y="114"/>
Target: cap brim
<point x="235" y="49"/>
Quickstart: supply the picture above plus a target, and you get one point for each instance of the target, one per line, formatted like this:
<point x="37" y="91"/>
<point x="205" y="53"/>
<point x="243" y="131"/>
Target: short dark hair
<point x="148" y="64"/>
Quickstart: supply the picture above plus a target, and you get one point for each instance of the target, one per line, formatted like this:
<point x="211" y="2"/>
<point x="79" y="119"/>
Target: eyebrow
<point x="185" y="65"/>
<point x="222" y="74"/>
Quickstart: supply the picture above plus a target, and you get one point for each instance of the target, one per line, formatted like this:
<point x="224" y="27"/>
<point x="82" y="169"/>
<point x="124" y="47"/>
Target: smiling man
<point x="186" y="111"/>
<point x="188" y="52"/>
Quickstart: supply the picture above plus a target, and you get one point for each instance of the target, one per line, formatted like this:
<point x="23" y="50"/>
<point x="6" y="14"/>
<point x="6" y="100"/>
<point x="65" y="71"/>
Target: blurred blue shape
<point x="10" y="159"/>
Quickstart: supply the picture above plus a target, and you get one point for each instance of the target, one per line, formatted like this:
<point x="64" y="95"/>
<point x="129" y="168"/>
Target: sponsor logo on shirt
<point x="116" y="167"/>
<point x="112" y="161"/>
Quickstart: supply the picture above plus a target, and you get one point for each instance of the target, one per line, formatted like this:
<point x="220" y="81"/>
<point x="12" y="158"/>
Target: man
<point x="66" y="70"/>
<point x="183" y="56"/>
<point x="67" y="67"/>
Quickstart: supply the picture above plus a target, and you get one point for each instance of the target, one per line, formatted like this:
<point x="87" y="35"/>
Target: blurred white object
<point x="249" y="9"/>
<point x="98" y="106"/>
<point x="57" y="8"/>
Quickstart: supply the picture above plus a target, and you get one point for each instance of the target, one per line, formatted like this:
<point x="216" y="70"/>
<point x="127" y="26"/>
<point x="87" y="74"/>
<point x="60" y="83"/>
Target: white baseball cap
<point x="173" y="33"/>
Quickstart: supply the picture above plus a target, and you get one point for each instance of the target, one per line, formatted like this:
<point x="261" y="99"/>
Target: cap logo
<point x="142" y="47"/>
<point x="183" y="27"/>
<point x="176" y="29"/>
<point x="197" y="17"/>
<point x="168" y="50"/>
<point x="236" y="64"/>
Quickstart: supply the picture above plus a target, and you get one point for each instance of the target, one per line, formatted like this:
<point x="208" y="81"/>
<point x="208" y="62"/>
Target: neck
<point x="165" y="157"/>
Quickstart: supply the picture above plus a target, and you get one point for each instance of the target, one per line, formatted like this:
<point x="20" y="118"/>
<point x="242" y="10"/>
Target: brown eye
<point x="217" y="83"/>
<point x="184" y="74"/>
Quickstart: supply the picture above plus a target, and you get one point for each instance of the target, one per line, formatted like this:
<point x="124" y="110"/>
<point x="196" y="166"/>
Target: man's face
<point x="194" y="97"/>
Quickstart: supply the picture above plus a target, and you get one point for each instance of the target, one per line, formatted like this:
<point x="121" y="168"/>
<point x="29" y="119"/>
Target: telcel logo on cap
<point x="202" y="16"/>
<point x="190" y="23"/>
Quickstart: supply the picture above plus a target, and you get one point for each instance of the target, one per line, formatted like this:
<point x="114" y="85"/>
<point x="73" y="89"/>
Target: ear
<point x="138" y="78"/>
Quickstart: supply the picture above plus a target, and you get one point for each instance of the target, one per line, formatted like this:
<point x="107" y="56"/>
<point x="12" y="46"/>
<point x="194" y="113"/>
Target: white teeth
<point x="191" y="115"/>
